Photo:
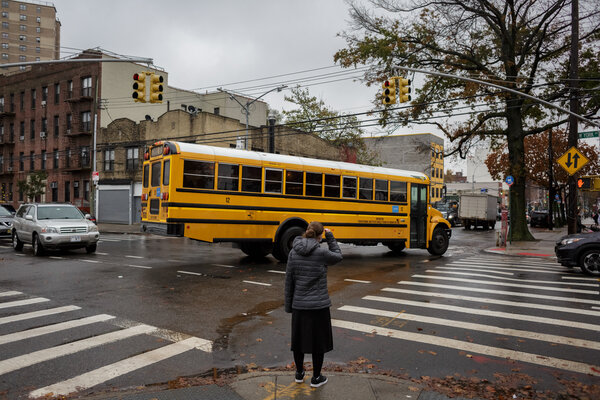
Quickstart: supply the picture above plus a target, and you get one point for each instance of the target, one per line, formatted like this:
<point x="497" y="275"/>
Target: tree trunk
<point x="516" y="155"/>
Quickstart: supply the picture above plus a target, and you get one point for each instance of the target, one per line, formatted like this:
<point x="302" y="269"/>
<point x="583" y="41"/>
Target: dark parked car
<point x="6" y="221"/>
<point x="580" y="249"/>
<point x="449" y="212"/>
<point x="538" y="218"/>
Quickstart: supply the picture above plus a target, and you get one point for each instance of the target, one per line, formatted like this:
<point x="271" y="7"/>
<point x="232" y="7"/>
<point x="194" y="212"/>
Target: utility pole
<point x="550" y="183"/>
<point x="246" y="108"/>
<point x="271" y="133"/>
<point x="574" y="108"/>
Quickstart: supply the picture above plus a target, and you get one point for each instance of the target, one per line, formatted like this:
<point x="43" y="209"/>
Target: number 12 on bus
<point x="262" y="201"/>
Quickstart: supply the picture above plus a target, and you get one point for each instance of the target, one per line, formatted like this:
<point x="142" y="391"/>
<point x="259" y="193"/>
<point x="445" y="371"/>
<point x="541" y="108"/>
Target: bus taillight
<point x="165" y="196"/>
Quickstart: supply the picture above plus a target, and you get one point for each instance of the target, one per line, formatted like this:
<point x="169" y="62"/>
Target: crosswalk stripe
<point x="224" y="266"/>
<point x="556" y="289"/>
<point x="461" y="264"/>
<point x="107" y="372"/>
<point x="36" y="314"/>
<point x="581" y="278"/>
<point x="537" y="359"/>
<point x="274" y="271"/>
<point x="555" y="266"/>
<point x="488" y="313"/>
<point x="510" y="279"/>
<point x="503" y="292"/>
<point x="496" y="301"/>
<point x="18" y="303"/>
<point x="476" y="270"/>
<point x="588" y="344"/>
<point x="43" y="330"/>
<point x="258" y="283"/>
<point x="520" y="261"/>
<point x="10" y="293"/>
<point x="26" y="360"/>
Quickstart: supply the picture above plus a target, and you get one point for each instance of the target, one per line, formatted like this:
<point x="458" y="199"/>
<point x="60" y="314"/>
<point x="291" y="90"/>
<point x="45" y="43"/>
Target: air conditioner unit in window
<point x="8" y="169"/>
<point x="68" y="131"/>
<point x="43" y="135"/>
<point x="43" y="103"/>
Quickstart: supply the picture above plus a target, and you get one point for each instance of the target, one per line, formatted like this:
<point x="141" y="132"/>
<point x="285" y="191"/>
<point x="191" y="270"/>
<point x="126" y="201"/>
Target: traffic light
<point x="389" y="92"/>
<point x="584" y="183"/>
<point x="403" y="90"/>
<point x="156" y="88"/>
<point x="139" y="87"/>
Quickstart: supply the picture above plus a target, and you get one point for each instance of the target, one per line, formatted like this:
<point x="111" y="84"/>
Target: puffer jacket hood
<point x="304" y="246"/>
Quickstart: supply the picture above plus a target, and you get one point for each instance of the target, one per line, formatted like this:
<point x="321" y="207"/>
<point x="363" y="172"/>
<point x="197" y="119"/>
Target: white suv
<point x="53" y="226"/>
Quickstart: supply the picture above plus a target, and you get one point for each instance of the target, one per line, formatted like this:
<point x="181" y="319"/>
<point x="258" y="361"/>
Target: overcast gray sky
<point x="206" y="44"/>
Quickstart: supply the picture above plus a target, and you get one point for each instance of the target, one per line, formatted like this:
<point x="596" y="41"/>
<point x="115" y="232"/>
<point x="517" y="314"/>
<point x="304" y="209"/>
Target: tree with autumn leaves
<point x="521" y="45"/>
<point x="536" y="160"/>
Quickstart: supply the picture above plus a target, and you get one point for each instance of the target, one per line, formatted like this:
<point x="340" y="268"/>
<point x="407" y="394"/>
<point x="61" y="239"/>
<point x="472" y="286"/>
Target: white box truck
<point x="478" y="210"/>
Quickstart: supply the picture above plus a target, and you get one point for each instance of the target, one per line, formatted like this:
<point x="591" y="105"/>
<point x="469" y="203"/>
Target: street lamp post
<point x="246" y="107"/>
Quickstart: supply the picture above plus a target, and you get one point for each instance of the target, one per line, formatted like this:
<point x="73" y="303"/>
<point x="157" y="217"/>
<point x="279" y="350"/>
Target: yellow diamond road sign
<point x="572" y="160"/>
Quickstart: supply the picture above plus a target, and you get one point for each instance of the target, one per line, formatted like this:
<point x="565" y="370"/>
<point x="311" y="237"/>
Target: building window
<point x="69" y="89"/>
<point x="4" y="35"/>
<point x="86" y="121"/>
<point x="76" y="189"/>
<point x="5" y="45"/>
<point x="38" y="50"/>
<point x="45" y="93"/>
<point x="22" y="102"/>
<point x="54" y="188"/>
<point x="38" y="20"/>
<point x="56" y="93"/>
<point x="23" y="38"/>
<point x="44" y="159"/>
<point x="45" y="126"/>
<point x="38" y="29"/>
<point x="133" y="159"/>
<point x="86" y="192"/>
<point x="22" y="59"/>
<point x="55" y="159"/>
<point x="86" y="86"/>
<point x="38" y="39"/>
<point x="4" y="14"/>
<point x="23" y="48"/>
<point x="1" y="104"/>
<point x="68" y="159"/>
<point x="56" y="125"/>
<point x="23" y="7"/>
<point x="33" y="96"/>
<point x="5" y="4"/>
<point x="5" y="25"/>
<point x="32" y="129"/>
<point x="5" y="56"/>
<point x="23" y="17"/>
<point x="69" y="123"/>
<point x="32" y="161"/>
<point x="109" y="159"/>
<point x="12" y="102"/>
<point x="67" y="191"/>
<point x="21" y="161"/>
<point x="23" y="28"/>
<point x="22" y="131"/>
<point x="85" y="156"/>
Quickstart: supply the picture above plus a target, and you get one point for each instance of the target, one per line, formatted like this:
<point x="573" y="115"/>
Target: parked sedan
<point x="538" y="218"/>
<point x="53" y="226"/>
<point x="580" y="249"/>
<point x="6" y="221"/>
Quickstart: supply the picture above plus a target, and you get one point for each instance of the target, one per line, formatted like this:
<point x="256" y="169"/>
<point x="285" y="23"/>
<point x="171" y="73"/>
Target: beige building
<point x="413" y="152"/>
<point x="122" y="143"/>
<point x="29" y="32"/>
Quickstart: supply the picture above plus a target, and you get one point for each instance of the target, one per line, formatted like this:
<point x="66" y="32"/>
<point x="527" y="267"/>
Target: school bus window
<point x="381" y="190"/>
<point x="146" y="175"/>
<point x="198" y="174"/>
<point x="398" y="192"/>
<point x="273" y="180"/>
<point x="365" y="190"/>
<point x="293" y="182"/>
<point x="314" y="183"/>
<point x="349" y="188"/>
<point x="251" y="179"/>
<point x="155" y="178"/>
<point x="228" y="177"/>
<point x="166" y="172"/>
<point x="332" y="185"/>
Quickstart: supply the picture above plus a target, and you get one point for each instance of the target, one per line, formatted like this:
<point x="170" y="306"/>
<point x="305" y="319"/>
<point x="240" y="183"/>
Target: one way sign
<point x="572" y="161"/>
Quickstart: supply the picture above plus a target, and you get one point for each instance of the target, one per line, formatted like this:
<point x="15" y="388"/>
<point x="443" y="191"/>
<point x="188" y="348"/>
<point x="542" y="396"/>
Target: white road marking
<point x="18" y="303"/>
<point x="588" y="344"/>
<point x="258" y="283"/>
<point x="274" y="271"/>
<point x="488" y="313"/>
<point x="89" y="261"/>
<point x="134" y="257"/>
<point x="9" y="293"/>
<point x="495" y="301"/>
<point x="26" y="360"/>
<point x="504" y="292"/>
<point x="512" y="261"/>
<point x="576" y="278"/>
<point x="191" y="273"/>
<point x="511" y="279"/>
<point x="463" y="264"/>
<point x="224" y="266"/>
<point x="101" y="254"/>
<point x="139" y="266"/>
<point x="36" y="314"/>
<point x="107" y="372"/>
<point x="537" y="359"/>
<point x="537" y="287"/>
<point x="475" y="269"/>
<point x="56" y="258"/>
<point x="356" y="280"/>
<point x="43" y="330"/>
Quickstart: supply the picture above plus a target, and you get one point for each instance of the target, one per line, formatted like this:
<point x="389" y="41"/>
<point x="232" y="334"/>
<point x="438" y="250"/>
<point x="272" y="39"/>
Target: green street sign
<point x="589" y="134"/>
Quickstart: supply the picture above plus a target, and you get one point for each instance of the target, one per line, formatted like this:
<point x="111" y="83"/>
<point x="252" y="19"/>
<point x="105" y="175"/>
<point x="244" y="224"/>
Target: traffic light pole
<point x="574" y="107"/>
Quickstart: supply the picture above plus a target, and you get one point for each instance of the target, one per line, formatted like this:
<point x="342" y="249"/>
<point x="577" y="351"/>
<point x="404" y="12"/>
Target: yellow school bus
<point x="262" y="201"/>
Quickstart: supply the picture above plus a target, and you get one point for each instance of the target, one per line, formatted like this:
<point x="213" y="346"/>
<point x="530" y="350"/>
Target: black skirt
<point x="311" y="331"/>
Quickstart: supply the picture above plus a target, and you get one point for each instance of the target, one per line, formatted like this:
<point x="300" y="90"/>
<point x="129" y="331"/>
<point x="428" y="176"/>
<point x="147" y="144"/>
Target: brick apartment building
<point x="29" y="32"/>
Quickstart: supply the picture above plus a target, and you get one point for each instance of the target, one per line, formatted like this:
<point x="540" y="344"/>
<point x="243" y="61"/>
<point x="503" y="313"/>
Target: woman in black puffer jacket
<point x="307" y="298"/>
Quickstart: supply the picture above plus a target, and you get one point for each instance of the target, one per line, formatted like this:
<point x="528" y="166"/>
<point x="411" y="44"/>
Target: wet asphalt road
<point x="183" y="288"/>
